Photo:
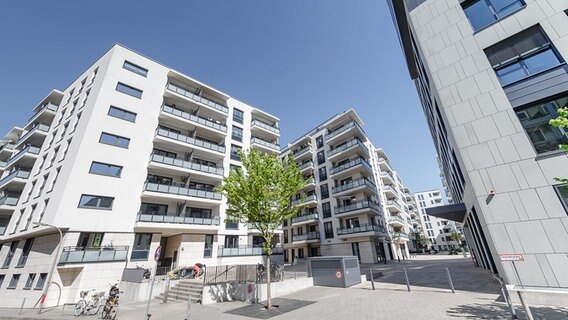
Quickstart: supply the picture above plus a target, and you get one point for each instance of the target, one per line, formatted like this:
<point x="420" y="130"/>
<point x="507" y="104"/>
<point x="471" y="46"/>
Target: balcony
<point x="182" y="191"/>
<point x="8" y="147"/>
<point x="196" y="98"/>
<point x="344" y="128"/>
<point x="307" y="200"/>
<point x="305" y="218"/>
<point x="176" y="219"/>
<point x="208" y="146"/>
<point x="245" y="251"/>
<point x="357" y="207"/>
<point x="37" y="128"/>
<point x="356" y="163"/>
<point x="72" y="255"/>
<point x="345" y="149"/>
<point x="47" y="111"/>
<point x="29" y="150"/>
<point x="400" y="236"/>
<point x="398" y="220"/>
<point x="306" y="165"/>
<point x="19" y="174"/>
<point x="359" y="229"/>
<point x="390" y="192"/>
<point x="264" y="144"/>
<point x="8" y="200"/>
<point x="188" y="117"/>
<point x="384" y="164"/>
<point x="394" y="206"/>
<point x="303" y="151"/>
<point x="255" y="123"/>
<point x="387" y="178"/>
<point x="355" y="185"/>
<point x="181" y="164"/>
<point x="310" y="236"/>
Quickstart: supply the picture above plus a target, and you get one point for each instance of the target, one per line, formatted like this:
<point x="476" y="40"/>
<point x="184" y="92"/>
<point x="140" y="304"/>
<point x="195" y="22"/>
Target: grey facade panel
<point x="412" y="4"/>
<point x="539" y="87"/>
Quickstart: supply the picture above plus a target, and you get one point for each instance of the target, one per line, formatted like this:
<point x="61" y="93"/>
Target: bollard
<point x="526" y="307"/>
<point x="450" y="280"/>
<point x="372" y="280"/>
<point x="407" y="282"/>
<point x="22" y="307"/>
<point x="188" y="308"/>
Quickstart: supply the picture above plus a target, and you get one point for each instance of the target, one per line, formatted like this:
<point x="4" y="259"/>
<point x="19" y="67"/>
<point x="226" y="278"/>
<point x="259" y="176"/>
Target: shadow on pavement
<point x="501" y="311"/>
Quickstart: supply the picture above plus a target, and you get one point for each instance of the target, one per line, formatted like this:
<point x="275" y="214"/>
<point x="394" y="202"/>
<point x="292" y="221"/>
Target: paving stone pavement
<point x="477" y="297"/>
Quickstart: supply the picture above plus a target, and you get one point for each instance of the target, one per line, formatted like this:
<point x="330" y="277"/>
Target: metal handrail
<point x="9" y="200"/>
<point x="313" y="235"/>
<point x="305" y="217"/>
<point x="31" y="149"/>
<point x="39" y="126"/>
<point x="264" y="125"/>
<point x="346" y="146"/>
<point x="306" y="199"/>
<point x="93" y="254"/>
<point x="300" y="152"/>
<point x="193" y="141"/>
<point x="197" y="98"/>
<point x="186" y="164"/>
<point x="182" y="190"/>
<point x="306" y="165"/>
<point x="350" y="164"/>
<point x="361" y="228"/>
<point x="356" y="206"/>
<point x="354" y="184"/>
<point x="174" y="218"/>
<point x="20" y="173"/>
<point x="265" y="143"/>
<point x="197" y="119"/>
<point x="47" y="106"/>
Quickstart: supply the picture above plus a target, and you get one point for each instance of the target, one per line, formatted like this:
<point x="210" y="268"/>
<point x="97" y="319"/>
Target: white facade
<point x="123" y="160"/>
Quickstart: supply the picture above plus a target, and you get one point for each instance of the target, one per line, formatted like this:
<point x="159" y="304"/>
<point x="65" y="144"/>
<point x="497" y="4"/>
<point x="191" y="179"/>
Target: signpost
<point x="157" y="254"/>
<point x="517" y="257"/>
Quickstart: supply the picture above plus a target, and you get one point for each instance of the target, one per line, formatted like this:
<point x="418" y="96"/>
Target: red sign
<point x="511" y="257"/>
<point x="157" y="253"/>
<point x="338" y="274"/>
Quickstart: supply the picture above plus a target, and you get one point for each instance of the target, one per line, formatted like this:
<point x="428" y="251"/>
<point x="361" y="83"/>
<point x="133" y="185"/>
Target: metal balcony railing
<point x="396" y="219"/>
<point x="9" y="200"/>
<point x="29" y="149"/>
<point x="174" y="218"/>
<point x="208" y="102"/>
<point x="355" y="184"/>
<point x="262" y="142"/>
<point x="193" y="118"/>
<point x="245" y="251"/>
<point x="182" y="191"/>
<point x="305" y="217"/>
<point x="349" y="165"/>
<point x="7" y="146"/>
<point x="346" y="146"/>
<point x="306" y="165"/>
<point x="312" y="197"/>
<point x="49" y="106"/>
<point x="93" y="254"/>
<point x="341" y="129"/>
<point x="358" y="205"/>
<point x="264" y="125"/>
<point x="302" y="151"/>
<point x="186" y="164"/>
<point x="394" y="204"/>
<point x="189" y="140"/>
<point x="314" y="235"/>
<point x="20" y="173"/>
<point x="362" y="228"/>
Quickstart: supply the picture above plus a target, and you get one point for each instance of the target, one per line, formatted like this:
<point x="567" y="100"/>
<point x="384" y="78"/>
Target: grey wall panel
<point x="539" y="87"/>
<point x="412" y="4"/>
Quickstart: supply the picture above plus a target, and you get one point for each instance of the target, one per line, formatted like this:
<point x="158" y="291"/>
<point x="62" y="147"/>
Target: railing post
<point x="372" y="280"/>
<point x="407" y="282"/>
<point x="450" y="280"/>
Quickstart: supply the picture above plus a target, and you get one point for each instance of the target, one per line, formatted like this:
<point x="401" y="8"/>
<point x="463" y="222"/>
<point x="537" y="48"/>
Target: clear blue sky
<point x="303" y="61"/>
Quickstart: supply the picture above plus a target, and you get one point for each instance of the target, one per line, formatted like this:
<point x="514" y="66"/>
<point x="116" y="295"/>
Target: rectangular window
<point x="238" y="115"/>
<point x="2" y="279"/>
<point x="321" y="157"/>
<point x="134" y="68"/>
<point x="562" y="191"/>
<point x="105" y="169"/>
<point x="235" y="152"/>
<point x="90" y="239"/>
<point x="237" y="134"/>
<point x="326" y="209"/>
<point x="122" y="114"/>
<point x="164" y="153"/>
<point x="10" y="254"/>
<point x="231" y="241"/>
<point x="535" y="120"/>
<point x="482" y="13"/>
<point x="14" y="282"/>
<point x="208" y="248"/>
<point x="154" y="209"/>
<point x="41" y="281"/>
<point x="114" y="140"/>
<point x="328" y="227"/>
<point x="95" y="202"/>
<point x="141" y="247"/>
<point x="30" y="281"/>
<point x="131" y="91"/>
<point x="285" y="236"/>
<point x="526" y="53"/>
<point x="324" y="191"/>
<point x="322" y="174"/>
<point x="319" y="142"/>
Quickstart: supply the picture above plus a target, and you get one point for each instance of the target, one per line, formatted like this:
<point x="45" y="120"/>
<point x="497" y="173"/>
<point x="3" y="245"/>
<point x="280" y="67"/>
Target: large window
<point x="153" y="208"/>
<point x="328" y="227"/>
<point x="326" y="209"/>
<point x="134" y="68"/>
<point x="114" y="140"/>
<point x="131" y="91"/>
<point x="30" y="281"/>
<point x="235" y="152"/>
<point x="322" y="174"/>
<point x="238" y="115"/>
<point x="535" y="120"/>
<point x="562" y="191"/>
<point x="237" y="134"/>
<point x="40" y="281"/>
<point x="198" y="213"/>
<point x="321" y="157"/>
<point x="231" y="241"/>
<point x="105" y="169"/>
<point x="14" y="282"/>
<point x="482" y="13"/>
<point x="141" y="247"/>
<point x="527" y="53"/>
<point x="319" y="142"/>
<point x="208" y="247"/>
<point x="324" y="191"/>
<point x="122" y="114"/>
<point x="95" y="202"/>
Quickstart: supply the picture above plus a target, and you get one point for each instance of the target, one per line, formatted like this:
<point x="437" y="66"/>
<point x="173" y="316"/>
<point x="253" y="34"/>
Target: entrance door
<point x="355" y="249"/>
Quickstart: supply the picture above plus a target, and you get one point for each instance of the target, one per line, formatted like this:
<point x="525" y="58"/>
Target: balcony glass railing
<point x="245" y="251"/>
<point x="20" y="173"/>
<point x="394" y="204"/>
<point x="309" y="198"/>
<point x="140" y="252"/>
<point x="355" y="184"/>
<point x="197" y="98"/>
<point x="349" y="144"/>
<point x="314" y="235"/>
<point x="358" y="205"/>
<point x="182" y="191"/>
<point x="97" y="254"/>
<point x="396" y="219"/>
<point x="3" y="229"/>
<point x="7" y="146"/>
<point x="362" y="228"/>
<point x="29" y="149"/>
<point x="387" y="175"/>
<point x="264" y="125"/>
<point x="38" y="127"/>
<point x="48" y="106"/>
<point x="341" y="129"/>
<point x="391" y="190"/>
<point x="186" y="164"/>
<point x="194" y="118"/>
<point x="9" y="200"/>
<point x="173" y="218"/>
<point x="306" y="165"/>
<point x="193" y="141"/>
<point x="302" y="151"/>
<point x="2" y="164"/>
<point x="262" y="142"/>
<point x="305" y="217"/>
<point x="350" y="164"/>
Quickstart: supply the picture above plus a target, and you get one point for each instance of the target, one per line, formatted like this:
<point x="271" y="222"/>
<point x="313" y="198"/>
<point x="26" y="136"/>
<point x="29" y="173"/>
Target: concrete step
<point x="186" y="290"/>
<point x="180" y="297"/>
<point x="188" y="286"/>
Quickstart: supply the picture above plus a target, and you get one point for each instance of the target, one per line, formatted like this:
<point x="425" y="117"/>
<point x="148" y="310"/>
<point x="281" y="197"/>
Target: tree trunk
<point x="268" y="296"/>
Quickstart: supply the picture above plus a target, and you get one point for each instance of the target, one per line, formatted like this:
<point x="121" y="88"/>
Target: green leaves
<point x="561" y="122"/>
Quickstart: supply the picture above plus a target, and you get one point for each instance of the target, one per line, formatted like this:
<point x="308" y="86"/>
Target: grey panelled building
<point x="490" y="75"/>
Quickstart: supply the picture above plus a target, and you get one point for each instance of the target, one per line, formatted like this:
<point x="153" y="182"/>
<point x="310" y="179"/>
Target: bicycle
<point x="110" y="309"/>
<point x="91" y="307"/>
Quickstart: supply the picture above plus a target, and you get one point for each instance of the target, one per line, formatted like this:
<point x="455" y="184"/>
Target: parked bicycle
<point x="110" y="309"/>
<point x="147" y="273"/>
<point x="91" y="307"/>
<point x="276" y="272"/>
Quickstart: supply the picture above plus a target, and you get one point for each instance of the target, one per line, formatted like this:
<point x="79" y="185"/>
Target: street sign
<point x="511" y="257"/>
<point x="157" y="253"/>
<point x="338" y="274"/>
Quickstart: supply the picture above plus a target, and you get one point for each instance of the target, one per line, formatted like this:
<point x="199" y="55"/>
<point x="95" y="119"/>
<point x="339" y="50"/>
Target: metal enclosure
<point x="340" y="272"/>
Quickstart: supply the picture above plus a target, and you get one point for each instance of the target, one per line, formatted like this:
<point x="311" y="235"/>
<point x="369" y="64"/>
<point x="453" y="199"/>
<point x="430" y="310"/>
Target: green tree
<point x="423" y="240"/>
<point x="260" y="195"/>
<point x="455" y="236"/>
<point x="561" y="122"/>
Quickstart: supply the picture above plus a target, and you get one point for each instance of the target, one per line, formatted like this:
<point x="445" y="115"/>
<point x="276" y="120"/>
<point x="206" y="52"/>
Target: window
<point x="535" y="120"/>
<point x="105" y="169"/>
<point x="30" y="281"/>
<point x="324" y="191"/>
<point x="114" y="140"/>
<point x="201" y="213"/>
<point x="322" y="174"/>
<point x="141" y="247"/>
<point x="326" y="209"/>
<point x="54" y="179"/>
<point x="164" y="153"/>
<point x="154" y="209"/>
<point x="238" y="115"/>
<point x="90" y="239"/>
<point x="328" y="228"/>
<point x="95" y="202"/>
<point x="285" y="236"/>
<point x="235" y="152"/>
<point x="482" y="13"/>
<point x="319" y="142"/>
<point x="527" y="53"/>
<point x="231" y="241"/>
<point x="131" y="91"/>
<point x="208" y="248"/>
<point x="134" y="68"/>
<point x="14" y="282"/>
<point x="122" y="114"/>
<point x="562" y="191"/>
<point x="2" y="279"/>
<point x="40" y="281"/>
<point x="237" y="134"/>
<point x="321" y="157"/>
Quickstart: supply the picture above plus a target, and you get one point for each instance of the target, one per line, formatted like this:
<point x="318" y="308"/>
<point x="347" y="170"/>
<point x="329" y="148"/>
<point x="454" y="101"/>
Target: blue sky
<point x="303" y="61"/>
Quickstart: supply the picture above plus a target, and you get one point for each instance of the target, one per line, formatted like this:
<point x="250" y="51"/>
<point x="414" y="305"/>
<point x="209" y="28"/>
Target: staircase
<point x="183" y="290"/>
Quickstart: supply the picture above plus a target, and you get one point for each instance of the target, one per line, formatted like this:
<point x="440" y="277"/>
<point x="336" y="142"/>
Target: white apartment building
<point x="355" y="203"/>
<point x="490" y="75"/>
<point x="123" y="161"/>
<point x="436" y="229"/>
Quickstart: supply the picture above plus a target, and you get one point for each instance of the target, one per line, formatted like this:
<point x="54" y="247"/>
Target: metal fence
<point x="248" y="273"/>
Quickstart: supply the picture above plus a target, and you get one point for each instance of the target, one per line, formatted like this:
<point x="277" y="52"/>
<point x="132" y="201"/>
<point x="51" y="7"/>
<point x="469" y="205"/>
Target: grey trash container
<point x="340" y="272"/>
